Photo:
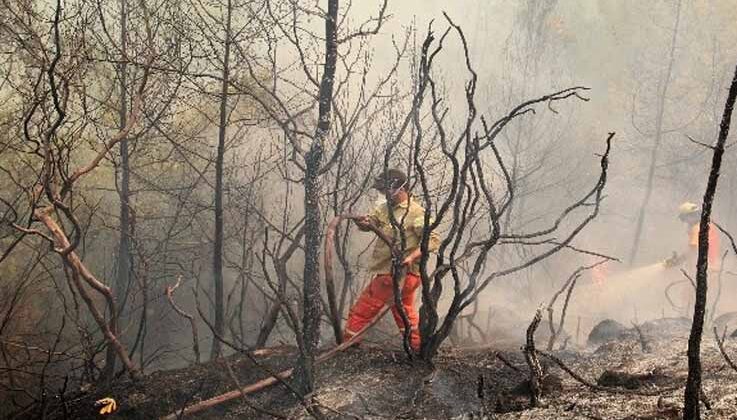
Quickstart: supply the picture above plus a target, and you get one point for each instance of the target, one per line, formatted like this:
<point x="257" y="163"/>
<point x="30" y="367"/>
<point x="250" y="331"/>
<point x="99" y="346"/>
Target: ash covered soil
<point x="378" y="382"/>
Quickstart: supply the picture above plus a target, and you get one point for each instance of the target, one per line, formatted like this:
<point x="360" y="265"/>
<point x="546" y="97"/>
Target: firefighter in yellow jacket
<point x="690" y="214"/>
<point x="409" y="216"/>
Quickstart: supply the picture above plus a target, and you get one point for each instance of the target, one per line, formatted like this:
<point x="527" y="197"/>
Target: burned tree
<point x="54" y="137"/>
<point x="691" y="408"/>
<point x="313" y="226"/>
<point x="312" y="148"/>
<point x="470" y="201"/>
<point x="51" y="199"/>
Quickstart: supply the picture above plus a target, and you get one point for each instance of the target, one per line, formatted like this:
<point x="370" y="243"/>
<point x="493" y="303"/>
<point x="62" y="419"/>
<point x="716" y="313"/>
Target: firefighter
<point x="409" y="216"/>
<point x="690" y="214"/>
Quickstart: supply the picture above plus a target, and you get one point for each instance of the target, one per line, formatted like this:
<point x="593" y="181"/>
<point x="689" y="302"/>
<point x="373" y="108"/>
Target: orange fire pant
<point x="372" y="299"/>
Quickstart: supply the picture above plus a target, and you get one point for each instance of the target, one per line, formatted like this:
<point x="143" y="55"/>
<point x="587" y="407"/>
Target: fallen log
<point x="281" y="376"/>
<point x="267" y="382"/>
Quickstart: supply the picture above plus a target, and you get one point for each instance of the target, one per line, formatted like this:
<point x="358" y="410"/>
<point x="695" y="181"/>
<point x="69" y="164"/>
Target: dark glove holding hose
<point x="364" y="223"/>
<point x="674" y="261"/>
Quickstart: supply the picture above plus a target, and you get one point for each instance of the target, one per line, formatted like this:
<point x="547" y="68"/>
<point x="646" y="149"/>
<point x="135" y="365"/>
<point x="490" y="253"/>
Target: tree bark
<point x="691" y="408"/>
<point x="313" y="159"/>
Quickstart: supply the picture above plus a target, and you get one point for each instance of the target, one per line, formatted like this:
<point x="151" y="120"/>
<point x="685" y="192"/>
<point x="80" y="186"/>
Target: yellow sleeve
<point x="419" y="225"/>
<point x="375" y="215"/>
<point x="374" y="218"/>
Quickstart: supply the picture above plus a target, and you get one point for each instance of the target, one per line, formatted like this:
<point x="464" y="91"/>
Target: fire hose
<point x="281" y="376"/>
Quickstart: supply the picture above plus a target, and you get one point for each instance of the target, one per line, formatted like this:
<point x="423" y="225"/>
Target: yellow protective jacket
<point x="410" y="215"/>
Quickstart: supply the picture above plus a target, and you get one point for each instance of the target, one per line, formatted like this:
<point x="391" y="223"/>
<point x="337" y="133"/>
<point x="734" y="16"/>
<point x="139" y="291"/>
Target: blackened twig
<point x="536" y="371"/>
<point x="720" y="344"/>
<point x="507" y="362"/>
<point x="644" y="344"/>
<point x="600" y="388"/>
<point x="569" y="285"/>
<point x="728" y="235"/>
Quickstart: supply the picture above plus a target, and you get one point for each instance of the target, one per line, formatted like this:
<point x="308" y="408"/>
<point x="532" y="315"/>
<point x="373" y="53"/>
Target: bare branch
<point x="691" y="139"/>
<point x="169" y="291"/>
<point x="378" y="22"/>
<point x="720" y="344"/>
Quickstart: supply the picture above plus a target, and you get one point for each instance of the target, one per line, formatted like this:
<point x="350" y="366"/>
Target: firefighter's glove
<point x="364" y="223"/>
<point x="674" y="261"/>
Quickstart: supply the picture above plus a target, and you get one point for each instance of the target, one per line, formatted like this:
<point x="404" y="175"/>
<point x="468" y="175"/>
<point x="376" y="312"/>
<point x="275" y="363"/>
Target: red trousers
<point x="378" y="292"/>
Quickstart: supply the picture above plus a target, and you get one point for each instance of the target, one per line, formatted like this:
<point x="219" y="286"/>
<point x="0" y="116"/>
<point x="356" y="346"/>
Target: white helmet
<point x="687" y="208"/>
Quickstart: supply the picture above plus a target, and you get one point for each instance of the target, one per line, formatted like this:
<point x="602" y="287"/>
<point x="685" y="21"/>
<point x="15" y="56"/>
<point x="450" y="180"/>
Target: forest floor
<point x="377" y="382"/>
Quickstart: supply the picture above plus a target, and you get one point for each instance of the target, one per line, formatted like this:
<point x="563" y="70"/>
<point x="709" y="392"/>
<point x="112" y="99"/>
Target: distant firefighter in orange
<point x="690" y="213"/>
<point x="410" y="216"/>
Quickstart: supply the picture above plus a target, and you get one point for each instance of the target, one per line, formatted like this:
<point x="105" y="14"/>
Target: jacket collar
<point x="404" y="204"/>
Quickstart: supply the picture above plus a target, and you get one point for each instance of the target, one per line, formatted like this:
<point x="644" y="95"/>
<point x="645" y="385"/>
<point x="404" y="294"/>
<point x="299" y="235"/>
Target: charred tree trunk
<point x="311" y="288"/>
<point x="217" y="261"/>
<point x="124" y="263"/>
<point x="656" y="144"/>
<point x="691" y="408"/>
<point x="536" y="371"/>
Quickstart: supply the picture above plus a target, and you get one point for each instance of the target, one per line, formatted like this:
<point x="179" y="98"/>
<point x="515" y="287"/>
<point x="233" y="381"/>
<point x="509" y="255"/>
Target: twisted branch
<point x="169" y="291"/>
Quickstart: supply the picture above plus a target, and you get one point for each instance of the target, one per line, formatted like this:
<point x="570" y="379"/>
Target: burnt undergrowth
<point x="620" y="380"/>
